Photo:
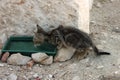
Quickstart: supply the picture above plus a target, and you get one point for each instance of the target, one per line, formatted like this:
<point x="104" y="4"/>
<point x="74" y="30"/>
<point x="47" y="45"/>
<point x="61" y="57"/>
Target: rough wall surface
<point x="19" y="17"/>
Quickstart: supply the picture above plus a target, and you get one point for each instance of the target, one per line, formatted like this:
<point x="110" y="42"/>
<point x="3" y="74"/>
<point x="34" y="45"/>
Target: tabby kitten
<point x="40" y="36"/>
<point x="72" y="37"/>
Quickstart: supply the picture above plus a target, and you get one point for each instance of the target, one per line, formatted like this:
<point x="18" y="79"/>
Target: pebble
<point x="38" y="57"/>
<point x="117" y="72"/>
<point x="42" y="58"/>
<point x="47" y="61"/>
<point x="118" y="62"/>
<point x="112" y="0"/>
<point x="100" y="46"/>
<point x="98" y="5"/>
<point x="93" y="22"/>
<point x="76" y="78"/>
<point x="3" y="37"/>
<point x="30" y="63"/>
<point x="100" y="67"/>
<point x="18" y="59"/>
<point x="1" y="65"/>
<point x="119" y="67"/>
<point x="35" y="75"/>
<point x="10" y="69"/>
<point x="12" y="77"/>
<point x="50" y="75"/>
<point x="5" y="57"/>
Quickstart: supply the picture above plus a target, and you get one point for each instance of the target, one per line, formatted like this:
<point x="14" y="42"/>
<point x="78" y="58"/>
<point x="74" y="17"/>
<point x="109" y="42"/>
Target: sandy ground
<point x="105" y="31"/>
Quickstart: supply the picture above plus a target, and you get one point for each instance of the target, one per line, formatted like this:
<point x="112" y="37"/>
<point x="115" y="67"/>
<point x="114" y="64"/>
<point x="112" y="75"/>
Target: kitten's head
<point x="54" y="36"/>
<point x="40" y="36"/>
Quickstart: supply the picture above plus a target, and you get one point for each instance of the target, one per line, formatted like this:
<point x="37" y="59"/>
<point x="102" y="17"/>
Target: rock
<point x="117" y="72"/>
<point x="76" y="78"/>
<point x="98" y="5"/>
<point x="42" y="58"/>
<point x="5" y="57"/>
<point x="3" y="38"/>
<point x="4" y="79"/>
<point x="1" y="65"/>
<point x="118" y="61"/>
<point x="64" y="54"/>
<point x="100" y="47"/>
<point x="100" y="67"/>
<point x="35" y="75"/>
<point x="48" y="61"/>
<point x="30" y="63"/>
<point x="110" y="77"/>
<point x="18" y="59"/>
<point x="38" y="57"/>
<point x="11" y="69"/>
<point x="12" y="77"/>
<point x="50" y="76"/>
<point x="112" y="0"/>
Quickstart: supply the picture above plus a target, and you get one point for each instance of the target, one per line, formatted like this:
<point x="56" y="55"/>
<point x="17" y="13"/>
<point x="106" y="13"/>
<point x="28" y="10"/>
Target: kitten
<point x="40" y="36"/>
<point x="73" y="37"/>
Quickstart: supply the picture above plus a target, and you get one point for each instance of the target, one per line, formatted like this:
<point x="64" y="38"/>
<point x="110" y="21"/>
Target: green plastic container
<point x="25" y="46"/>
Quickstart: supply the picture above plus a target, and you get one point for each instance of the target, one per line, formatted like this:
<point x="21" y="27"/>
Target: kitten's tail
<point x="99" y="53"/>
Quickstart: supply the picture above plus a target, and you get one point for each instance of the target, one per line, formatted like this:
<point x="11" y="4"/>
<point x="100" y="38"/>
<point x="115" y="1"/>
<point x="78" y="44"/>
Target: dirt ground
<point x="105" y="31"/>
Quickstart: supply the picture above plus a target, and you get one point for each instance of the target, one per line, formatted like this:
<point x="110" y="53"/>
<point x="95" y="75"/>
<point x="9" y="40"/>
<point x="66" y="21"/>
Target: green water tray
<point x="25" y="46"/>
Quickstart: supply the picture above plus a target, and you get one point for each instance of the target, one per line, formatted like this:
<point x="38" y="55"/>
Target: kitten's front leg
<point x="59" y="46"/>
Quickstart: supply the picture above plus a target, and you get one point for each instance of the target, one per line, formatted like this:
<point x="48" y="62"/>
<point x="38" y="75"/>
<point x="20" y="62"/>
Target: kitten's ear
<point x="60" y="26"/>
<point x="39" y="29"/>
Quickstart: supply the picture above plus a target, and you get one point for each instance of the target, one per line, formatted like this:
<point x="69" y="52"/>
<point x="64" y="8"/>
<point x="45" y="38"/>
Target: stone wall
<point x="19" y="17"/>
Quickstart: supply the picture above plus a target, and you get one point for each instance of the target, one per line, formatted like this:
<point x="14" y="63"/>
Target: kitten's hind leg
<point x="81" y="54"/>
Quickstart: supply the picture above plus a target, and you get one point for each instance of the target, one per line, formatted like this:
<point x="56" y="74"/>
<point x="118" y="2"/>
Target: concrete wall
<point x="19" y="17"/>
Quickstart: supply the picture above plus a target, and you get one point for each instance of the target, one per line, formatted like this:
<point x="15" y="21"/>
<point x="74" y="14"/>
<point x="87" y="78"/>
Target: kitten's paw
<point x="64" y="54"/>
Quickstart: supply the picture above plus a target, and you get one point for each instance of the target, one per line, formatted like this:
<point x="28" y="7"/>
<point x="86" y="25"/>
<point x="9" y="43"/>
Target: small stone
<point x="116" y="72"/>
<point x="35" y="75"/>
<point x="10" y="69"/>
<point x="3" y="37"/>
<point x="99" y="67"/>
<point x="38" y="57"/>
<point x="12" y="77"/>
<point x="18" y="59"/>
<point x="50" y="76"/>
<point x="100" y="46"/>
<point x="110" y="77"/>
<point x="111" y="0"/>
<point x="5" y="57"/>
<point x="25" y="77"/>
<point x="76" y="78"/>
<point x="113" y="64"/>
<point x="98" y="5"/>
<point x="4" y="79"/>
<point x="7" y="73"/>
<point x="31" y="73"/>
<point x="118" y="62"/>
<point x="1" y="65"/>
<point x="118" y="66"/>
<point x="104" y="42"/>
<point x="93" y="22"/>
<point x="47" y="61"/>
<point x="30" y="63"/>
